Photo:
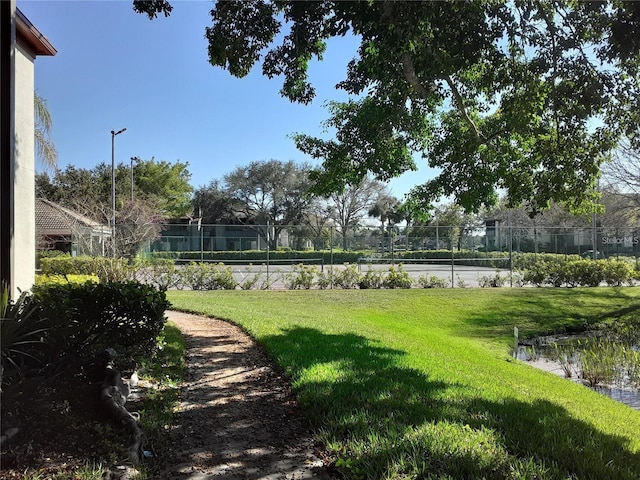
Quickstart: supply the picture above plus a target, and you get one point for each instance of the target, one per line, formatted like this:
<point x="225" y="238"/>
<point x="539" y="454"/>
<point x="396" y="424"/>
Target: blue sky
<point x="117" y="69"/>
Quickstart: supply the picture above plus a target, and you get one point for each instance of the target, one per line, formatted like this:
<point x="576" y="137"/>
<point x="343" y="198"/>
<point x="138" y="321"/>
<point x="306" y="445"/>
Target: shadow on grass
<point x="560" y="310"/>
<point x="384" y="420"/>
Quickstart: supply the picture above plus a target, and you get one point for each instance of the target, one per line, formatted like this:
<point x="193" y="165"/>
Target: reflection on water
<point x="544" y="357"/>
<point x="627" y="396"/>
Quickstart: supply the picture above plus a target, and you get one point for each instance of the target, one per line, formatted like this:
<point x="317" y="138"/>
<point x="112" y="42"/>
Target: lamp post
<point x="133" y="159"/>
<point x="113" y="190"/>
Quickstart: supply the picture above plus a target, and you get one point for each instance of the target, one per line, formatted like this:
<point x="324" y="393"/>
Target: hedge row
<point x="326" y="257"/>
<point x="68" y="327"/>
<point x="538" y="270"/>
<point x="577" y="272"/>
<point x="83" y="321"/>
<point x="105" y="268"/>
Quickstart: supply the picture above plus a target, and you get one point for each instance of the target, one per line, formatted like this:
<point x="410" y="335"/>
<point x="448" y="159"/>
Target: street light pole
<point x="113" y="190"/>
<point x="136" y="159"/>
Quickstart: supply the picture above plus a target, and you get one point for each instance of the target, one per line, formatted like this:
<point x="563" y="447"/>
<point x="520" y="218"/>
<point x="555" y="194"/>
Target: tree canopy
<point x="349" y="207"/>
<point x="524" y="97"/>
<point x="270" y="192"/>
<point x="163" y="186"/>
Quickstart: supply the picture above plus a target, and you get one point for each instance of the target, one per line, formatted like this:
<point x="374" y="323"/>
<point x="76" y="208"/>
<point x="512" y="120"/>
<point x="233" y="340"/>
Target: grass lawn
<point x="420" y="384"/>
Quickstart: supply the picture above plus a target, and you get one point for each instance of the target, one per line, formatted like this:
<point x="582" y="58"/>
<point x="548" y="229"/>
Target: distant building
<point x="59" y="228"/>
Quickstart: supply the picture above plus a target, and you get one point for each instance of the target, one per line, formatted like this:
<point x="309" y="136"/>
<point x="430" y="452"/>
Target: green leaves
<point x="21" y="333"/>
<point x="523" y="97"/>
<point x="497" y="96"/>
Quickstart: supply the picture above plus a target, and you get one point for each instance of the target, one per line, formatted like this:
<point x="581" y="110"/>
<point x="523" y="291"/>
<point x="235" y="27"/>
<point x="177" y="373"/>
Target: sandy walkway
<point x="237" y="418"/>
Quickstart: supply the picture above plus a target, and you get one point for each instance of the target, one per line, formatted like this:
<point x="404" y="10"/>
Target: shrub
<point x="615" y="273"/>
<point x="348" y="277"/>
<point x="586" y="273"/>
<point x="494" y="281"/>
<point x="372" y="279"/>
<point x="106" y="269"/>
<point x="87" y="319"/>
<point x="46" y="280"/>
<point x="209" y="276"/>
<point x="397" y="278"/>
<point x="161" y="273"/>
<point x="48" y="254"/>
<point x="537" y="274"/>
<point x="325" y="279"/>
<point x="301" y="277"/>
<point x="432" y="282"/>
<point x="579" y="272"/>
<point x="253" y="280"/>
<point x="260" y="256"/>
<point x="21" y="333"/>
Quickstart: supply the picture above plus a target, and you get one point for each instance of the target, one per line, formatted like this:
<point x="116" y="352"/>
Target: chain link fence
<point x="462" y="258"/>
<point x="600" y="242"/>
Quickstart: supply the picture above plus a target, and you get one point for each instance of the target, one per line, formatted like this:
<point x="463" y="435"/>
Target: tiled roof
<point x="53" y="217"/>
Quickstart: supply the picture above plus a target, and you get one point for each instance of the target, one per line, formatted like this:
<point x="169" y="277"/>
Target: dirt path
<point x="237" y="418"/>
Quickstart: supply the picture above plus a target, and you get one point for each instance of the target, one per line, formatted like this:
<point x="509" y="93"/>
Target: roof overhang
<point x="28" y="34"/>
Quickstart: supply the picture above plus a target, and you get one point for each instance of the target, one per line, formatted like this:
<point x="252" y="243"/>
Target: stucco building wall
<point x="24" y="234"/>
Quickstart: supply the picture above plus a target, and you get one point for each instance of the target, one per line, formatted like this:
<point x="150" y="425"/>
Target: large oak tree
<point x="527" y="97"/>
<point x="270" y="193"/>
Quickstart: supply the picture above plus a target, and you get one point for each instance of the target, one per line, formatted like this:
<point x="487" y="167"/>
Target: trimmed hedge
<point x="578" y="272"/>
<point x="85" y="320"/>
<point x="48" y="280"/>
<point x="462" y="257"/>
<point x="260" y="256"/>
<point x="105" y="268"/>
<point x="325" y="257"/>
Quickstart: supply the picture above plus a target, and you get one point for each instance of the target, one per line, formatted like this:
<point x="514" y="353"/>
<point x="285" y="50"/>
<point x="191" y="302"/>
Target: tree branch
<point x="461" y="108"/>
<point x="410" y="76"/>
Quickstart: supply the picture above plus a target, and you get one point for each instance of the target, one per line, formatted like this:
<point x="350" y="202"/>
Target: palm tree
<point x="45" y="148"/>
<point x="385" y="209"/>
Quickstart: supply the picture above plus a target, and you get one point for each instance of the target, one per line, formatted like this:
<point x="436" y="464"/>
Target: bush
<point x="494" y="281"/>
<point x="325" y="279"/>
<point x="161" y="273"/>
<point x="372" y="279"/>
<point x="87" y="319"/>
<point x="397" y="278"/>
<point x="536" y="274"/>
<point x="253" y="280"/>
<point x="47" y="280"/>
<point x="260" y="256"/>
<point x="209" y="276"/>
<point x="348" y="277"/>
<point x="48" y="254"/>
<point x="432" y="282"/>
<point x="301" y="277"/>
<point x="585" y="273"/>
<point x="106" y="269"/>
<point x="578" y="272"/>
<point x="615" y="273"/>
<point x="21" y="335"/>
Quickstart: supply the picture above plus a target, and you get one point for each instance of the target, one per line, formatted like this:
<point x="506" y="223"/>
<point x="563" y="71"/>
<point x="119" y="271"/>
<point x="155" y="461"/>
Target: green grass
<point x="157" y="406"/>
<point x="420" y="384"/>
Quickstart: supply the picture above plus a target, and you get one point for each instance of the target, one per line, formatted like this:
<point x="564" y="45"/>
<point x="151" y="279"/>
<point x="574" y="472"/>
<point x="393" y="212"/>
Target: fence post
<point x="267" y="237"/>
<point x="452" y="262"/>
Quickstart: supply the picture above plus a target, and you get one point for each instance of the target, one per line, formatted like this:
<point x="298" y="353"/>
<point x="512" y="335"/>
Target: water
<point x="541" y="353"/>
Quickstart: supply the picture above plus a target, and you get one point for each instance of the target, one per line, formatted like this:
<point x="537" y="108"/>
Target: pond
<point x="598" y="360"/>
